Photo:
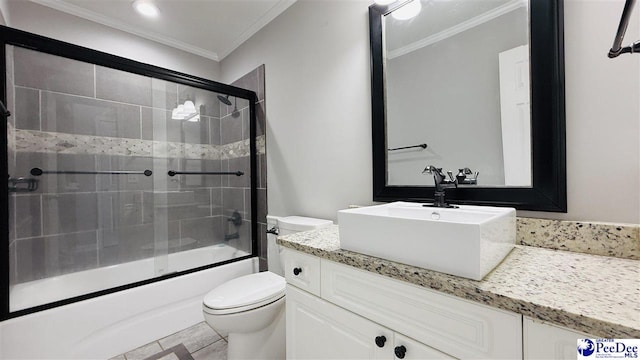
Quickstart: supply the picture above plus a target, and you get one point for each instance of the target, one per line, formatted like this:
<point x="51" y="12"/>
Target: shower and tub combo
<point x="131" y="194"/>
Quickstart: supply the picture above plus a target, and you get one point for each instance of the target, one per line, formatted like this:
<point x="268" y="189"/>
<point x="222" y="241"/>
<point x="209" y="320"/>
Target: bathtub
<point x="105" y="326"/>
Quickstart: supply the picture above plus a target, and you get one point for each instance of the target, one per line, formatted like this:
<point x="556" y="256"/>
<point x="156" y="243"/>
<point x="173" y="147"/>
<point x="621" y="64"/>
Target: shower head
<point x="224" y="99"/>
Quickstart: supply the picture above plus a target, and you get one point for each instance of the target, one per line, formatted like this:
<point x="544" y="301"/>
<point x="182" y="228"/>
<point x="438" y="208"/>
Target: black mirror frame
<point x="549" y="190"/>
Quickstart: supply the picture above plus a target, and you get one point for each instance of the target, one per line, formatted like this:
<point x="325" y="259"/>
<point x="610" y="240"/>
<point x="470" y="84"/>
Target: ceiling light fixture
<point x="408" y="10"/>
<point x="146" y="8"/>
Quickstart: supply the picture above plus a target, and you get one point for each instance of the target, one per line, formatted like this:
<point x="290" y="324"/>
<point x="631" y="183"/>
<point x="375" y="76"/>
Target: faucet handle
<point x="450" y="173"/>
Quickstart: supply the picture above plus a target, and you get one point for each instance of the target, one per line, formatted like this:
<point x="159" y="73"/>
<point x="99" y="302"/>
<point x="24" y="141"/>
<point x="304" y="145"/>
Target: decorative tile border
<point x="53" y="142"/>
<point x="622" y="241"/>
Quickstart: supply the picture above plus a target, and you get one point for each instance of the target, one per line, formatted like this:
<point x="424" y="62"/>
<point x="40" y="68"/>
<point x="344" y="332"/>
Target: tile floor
<point x="198" y="342"/>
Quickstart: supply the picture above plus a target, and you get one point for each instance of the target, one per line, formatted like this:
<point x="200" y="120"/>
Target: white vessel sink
<point x="468" y="241"/>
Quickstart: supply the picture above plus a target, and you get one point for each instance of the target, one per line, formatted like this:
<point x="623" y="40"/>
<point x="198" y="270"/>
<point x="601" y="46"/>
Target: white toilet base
<point x="266" y="344"/>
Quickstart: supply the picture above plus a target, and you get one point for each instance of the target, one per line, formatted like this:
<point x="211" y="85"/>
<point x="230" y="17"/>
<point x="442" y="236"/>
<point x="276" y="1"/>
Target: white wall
<point x="316" y="57"/>
<point x="41" y="20"/>
<point x="4" y="12"/>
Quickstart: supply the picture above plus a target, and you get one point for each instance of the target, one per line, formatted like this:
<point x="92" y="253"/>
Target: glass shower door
<point x="117" y="179"/>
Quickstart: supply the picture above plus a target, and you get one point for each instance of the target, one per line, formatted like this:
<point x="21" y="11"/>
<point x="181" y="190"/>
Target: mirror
<point x="475" y="84"/>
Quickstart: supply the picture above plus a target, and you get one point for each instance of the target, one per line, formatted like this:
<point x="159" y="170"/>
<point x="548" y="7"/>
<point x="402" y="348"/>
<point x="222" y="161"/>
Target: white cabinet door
<point x="542" y="341"/>
<point x="317" y="329"/>
<point x="409" y="349"/>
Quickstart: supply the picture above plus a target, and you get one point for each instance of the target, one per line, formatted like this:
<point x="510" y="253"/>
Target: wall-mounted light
<point x="408" y="10"/>
<point x="146" y="7"/>
<point x="186" y="111"/>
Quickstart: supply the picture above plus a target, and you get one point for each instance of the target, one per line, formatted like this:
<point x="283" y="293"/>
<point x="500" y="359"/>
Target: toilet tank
<point x="288" y="225"/>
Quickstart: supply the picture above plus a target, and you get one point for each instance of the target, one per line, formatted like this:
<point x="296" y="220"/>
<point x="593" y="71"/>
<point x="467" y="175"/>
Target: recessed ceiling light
<point x="146" y="8"/>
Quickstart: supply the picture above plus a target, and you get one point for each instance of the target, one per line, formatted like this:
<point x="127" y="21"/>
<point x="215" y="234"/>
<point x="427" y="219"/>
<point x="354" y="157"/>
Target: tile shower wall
<point x="254" y="81"/>
<point x="75" y="116"/>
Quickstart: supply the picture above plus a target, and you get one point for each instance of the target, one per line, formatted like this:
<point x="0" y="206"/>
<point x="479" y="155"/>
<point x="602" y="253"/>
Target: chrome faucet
<point x="441" y="183"/>
<point x="464" y="178"/>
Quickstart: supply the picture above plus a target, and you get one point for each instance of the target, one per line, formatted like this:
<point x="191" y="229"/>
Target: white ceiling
<point x="209" y="28"/>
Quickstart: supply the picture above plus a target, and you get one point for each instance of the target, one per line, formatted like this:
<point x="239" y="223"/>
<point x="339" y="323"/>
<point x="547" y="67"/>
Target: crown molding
<point x="119" y="25"/>
<point x="275" y="10"/>
<point x="454" y="30"/>
<point x="71" y="9"/>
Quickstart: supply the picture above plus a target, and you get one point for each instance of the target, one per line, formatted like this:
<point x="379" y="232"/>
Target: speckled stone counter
<point x="593" y="294"/>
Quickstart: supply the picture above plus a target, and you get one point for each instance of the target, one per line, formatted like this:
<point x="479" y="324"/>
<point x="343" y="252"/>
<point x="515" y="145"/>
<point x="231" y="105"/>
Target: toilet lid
<point x="246" y="292"/>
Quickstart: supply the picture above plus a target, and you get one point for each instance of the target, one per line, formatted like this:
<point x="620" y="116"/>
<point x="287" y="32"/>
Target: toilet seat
<point x="244" y="293"/>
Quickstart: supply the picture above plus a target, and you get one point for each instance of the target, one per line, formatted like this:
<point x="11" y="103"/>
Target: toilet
<point x="251" y="308"/>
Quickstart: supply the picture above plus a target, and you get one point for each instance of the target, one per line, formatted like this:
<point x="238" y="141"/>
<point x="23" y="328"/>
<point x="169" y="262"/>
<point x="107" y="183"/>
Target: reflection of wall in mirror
<point x="447" y="94"/>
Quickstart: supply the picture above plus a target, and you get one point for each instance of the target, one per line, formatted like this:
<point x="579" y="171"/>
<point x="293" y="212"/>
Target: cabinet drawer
<point x="302" y="270"/>
<point x="543" y="341"/>
<point x="449" y="324"/>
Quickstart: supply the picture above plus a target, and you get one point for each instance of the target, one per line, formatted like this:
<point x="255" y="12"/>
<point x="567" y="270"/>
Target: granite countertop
<point x="593" y="294"/>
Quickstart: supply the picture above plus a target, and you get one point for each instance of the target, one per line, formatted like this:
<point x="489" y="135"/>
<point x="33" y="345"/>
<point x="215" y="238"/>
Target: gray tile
<point x="164" y="94"/>
<point x="126" y="244"/>
<point x="122" y="86"/>
<point x="205" y="101"/>
<point x="261" y="82"/>
<point x="43" y="257"/>
<point x="262" y="240"/>
<point x="246" y="130"/>
<point x="120" y="209"/>
<point x="143" y="352"/>
<point x="243" y="242"/>
<point x="248" y="81"/>
<point x="156" y="206"/>
<point x="58" y="183"/>
<point x="247" y="203"/>
<point x="193" y="338"/>
<point x="11" y="99"/>
<point x="28" y="216"/>
<point x="261" y="118"/>
<point x="66" y="213"/>
<point x="13" y="279"/>
<point x="206" y="231"/>
<point x="146" y="126"/>
<point x="217" y="351"/>
<point x="195" y="132"/>
<point x="230" y="129"/>
<point x="199" y="181"/>
<point x="232" y="199"/>
<point x="27" y="112"/>
<point x="262" y="205"/>
<point x="214" y="128"/>
<point x="12" y="216"/>
<point x="240" y="164"/>
<point x="124" y="182"/>
<point x="262" y="169"/>
<point x="166" y="129"/>
<point x="39" y="70"/>
<point x="216" y="201"/>
<point x="78" y="115"/>
<point x="119" y="357"/>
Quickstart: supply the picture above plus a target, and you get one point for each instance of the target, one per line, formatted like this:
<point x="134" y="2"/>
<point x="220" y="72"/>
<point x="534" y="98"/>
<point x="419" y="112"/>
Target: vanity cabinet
<point x="549" y="342"/>
<point x="317" y="329"/>
<point x="354" y="309"/>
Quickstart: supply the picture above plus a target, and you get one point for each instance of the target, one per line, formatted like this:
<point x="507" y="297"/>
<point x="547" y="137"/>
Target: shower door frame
<point x="11" y="36"/>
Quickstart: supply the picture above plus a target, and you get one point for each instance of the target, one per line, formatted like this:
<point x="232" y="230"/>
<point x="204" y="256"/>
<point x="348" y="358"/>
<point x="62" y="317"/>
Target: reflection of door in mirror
<point x="443" y="87"/>
<point x="515" y="105"/>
